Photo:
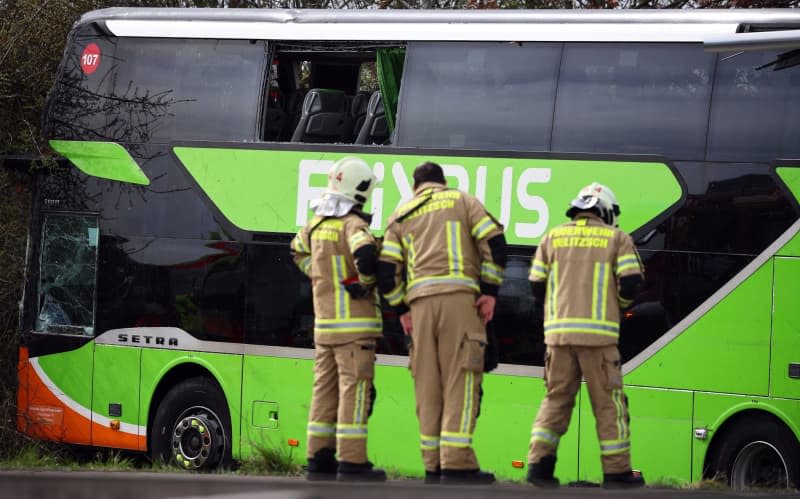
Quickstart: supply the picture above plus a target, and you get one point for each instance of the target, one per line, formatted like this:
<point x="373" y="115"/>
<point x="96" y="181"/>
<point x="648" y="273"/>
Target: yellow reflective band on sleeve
<point x="456" y="439"/>
<point x="395" y="297"/>
<point x="631" y="266"/>
<point x="539" y="270"/>
<point x="623" y="303"/>
<point x="366" y="280"/>
<point x="627" y="262"/>
<point x="357" y="239"/>
<point x="299" y="245"/>
<point x="455" y="259"/>
<point x="540" y="434"/>
<point x="536" y="275"/>
<point x="392" y="250"/>
<point x="482" y="228"/>
<point x="340" y="295"/>
<point x="491" y="273"/>
<point x="305" y="264"/>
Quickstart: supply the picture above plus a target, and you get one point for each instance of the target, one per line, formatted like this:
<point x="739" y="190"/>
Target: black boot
<point x="467" y="477"/>
<point x="433" y="477"/>
<point x="322" y="466"/>
<point x="541" y="474"/>
<point x="359" y="472"/>
<point x="626" y="480"/>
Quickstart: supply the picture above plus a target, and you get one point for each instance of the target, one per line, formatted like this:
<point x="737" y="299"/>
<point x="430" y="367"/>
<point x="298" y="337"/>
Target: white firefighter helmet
<point x="599" y="198"/>
<point x="351" y="178"/>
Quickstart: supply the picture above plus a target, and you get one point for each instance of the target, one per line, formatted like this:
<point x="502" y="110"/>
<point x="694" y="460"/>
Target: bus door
<point x="785" y="362"/>
<point x="56" y="359"/>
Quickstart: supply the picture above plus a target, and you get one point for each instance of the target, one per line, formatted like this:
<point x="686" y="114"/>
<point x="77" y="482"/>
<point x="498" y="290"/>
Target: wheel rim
<point x="198" y="439"/>
<point x="759" y="464"/>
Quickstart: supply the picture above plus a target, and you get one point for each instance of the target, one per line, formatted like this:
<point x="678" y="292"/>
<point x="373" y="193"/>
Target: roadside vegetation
<point x="34" y="455"/>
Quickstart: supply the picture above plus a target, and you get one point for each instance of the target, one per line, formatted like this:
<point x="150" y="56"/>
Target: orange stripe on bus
<point x="42" y="415"/>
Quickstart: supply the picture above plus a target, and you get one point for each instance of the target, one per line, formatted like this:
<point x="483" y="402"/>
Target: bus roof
<point x="442" y="25"/>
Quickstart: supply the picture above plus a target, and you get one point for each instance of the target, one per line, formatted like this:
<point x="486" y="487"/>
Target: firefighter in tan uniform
<point x="583" y="273"/>
<point x="443" y="256"/>
<point x="339" y="254"/>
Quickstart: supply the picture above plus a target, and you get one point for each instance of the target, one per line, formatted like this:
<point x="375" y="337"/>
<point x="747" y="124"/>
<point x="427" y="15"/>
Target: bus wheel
<point x="758" y="451"/>
<point x="191" y="427"/>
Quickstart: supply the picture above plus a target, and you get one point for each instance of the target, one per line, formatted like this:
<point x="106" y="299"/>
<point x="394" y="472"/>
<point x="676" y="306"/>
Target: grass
<point x="271" y="460"/>
<point x="47" y="456"/>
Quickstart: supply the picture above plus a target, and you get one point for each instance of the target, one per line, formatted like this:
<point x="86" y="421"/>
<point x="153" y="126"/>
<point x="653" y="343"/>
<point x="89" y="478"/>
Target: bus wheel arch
<point x="754" y="448"/>
<point x="189" y="420"/>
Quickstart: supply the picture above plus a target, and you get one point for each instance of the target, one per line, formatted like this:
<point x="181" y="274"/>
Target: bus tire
<point x="191" y="427"/>
<point x="757" y="451"/>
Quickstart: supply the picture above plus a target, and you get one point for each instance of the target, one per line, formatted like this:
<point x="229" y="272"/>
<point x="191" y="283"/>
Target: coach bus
<point x="162" y="312"/>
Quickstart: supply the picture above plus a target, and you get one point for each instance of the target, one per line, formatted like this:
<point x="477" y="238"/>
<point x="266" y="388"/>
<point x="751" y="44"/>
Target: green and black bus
<point x="162" y="312"/>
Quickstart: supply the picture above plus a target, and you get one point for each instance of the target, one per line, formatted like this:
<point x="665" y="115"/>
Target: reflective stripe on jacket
<point x="438" y="243"/>
<point x="581" y="262"/>
<point x="327" y="257"/>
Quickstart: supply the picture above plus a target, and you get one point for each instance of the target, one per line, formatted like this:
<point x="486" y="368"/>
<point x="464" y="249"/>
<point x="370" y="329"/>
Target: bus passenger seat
<point x="358" y="111"/>
<point x="324" y="117"/>
<point x="294" y="108"/>
<point x="374" y="130"/>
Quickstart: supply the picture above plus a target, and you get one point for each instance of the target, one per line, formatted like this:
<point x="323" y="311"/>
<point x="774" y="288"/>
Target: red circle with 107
<point x="90" y="58"/>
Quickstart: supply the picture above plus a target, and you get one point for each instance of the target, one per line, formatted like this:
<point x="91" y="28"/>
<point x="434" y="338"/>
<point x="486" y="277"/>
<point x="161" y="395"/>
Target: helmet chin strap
<point x="609" y="217"/>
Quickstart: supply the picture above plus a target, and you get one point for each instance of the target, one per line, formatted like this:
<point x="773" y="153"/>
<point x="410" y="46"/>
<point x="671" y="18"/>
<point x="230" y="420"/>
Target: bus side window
<point x="324" y="92"/>
<point x="67" y="275"/>
<point x="633" y="99"/>
<point x="482" y="95"/>
<point x="177" y="89"/>
<point x="755" y="113"/>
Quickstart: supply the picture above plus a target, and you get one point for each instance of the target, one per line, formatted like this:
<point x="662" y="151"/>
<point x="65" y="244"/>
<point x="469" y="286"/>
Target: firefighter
<point x="339" y="254"/>
<point x="440" y="267"/>
<point x="582" y="274"/>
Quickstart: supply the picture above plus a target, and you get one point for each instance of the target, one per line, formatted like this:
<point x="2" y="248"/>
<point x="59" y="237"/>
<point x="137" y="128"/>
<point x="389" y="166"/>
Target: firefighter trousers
<point x="446" y="362"/>
<point x="341" y="399"/>
<point x="600" y="366"/>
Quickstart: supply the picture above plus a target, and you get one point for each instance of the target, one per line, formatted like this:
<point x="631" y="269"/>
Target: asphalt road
<point x="141" y="485"/>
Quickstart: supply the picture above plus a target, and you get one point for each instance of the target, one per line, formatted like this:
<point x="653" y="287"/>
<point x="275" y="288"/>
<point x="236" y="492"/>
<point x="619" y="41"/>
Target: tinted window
<point x="755" y="114"/>
<point x="634" y="99"/>
<point x="187" y="89"/>
<point x="478" y="95"/>
<point x="517" y="327"/>
<point x="80" y="97"/>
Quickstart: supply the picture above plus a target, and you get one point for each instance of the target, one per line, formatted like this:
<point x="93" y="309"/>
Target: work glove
<point x="354" y="288"/>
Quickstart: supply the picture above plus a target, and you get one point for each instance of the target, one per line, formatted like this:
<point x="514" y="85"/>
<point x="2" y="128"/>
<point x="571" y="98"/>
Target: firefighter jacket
<point x="581" y="263"/>
<point x="333" y="251"/>
<point x="442" y="241"/>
